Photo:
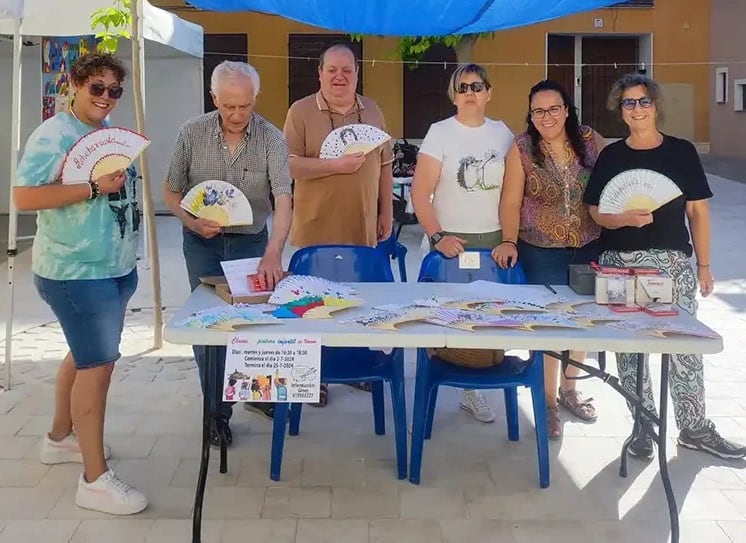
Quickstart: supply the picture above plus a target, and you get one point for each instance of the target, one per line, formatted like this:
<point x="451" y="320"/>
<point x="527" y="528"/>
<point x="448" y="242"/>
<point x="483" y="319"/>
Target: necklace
<point x="72" y="112"/>
<point x="331" y="116"/>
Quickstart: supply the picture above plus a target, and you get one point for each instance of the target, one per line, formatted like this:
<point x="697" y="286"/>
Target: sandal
<point x="554" y="428"/>
<point x="577" y="405"/>
<point x="365" y="387"/>
<point x="323" y="397"/>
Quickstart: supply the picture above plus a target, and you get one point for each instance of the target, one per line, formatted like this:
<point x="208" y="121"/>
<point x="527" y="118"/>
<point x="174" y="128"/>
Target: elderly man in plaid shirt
<point x="236" y="145"/>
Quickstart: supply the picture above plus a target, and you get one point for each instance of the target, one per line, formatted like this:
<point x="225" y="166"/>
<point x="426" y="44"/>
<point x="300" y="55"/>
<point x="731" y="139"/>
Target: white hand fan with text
<point x="220" y="202"/>
<point x="100" y="152"/>
<point x="637" y="189"/>
<point x="351" y="139"/>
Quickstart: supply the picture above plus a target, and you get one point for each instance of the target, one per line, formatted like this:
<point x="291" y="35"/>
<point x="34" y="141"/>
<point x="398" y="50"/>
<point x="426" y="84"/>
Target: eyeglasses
<point x="630" y="103"/>
<point x="98" y="89"/>
<point x="475" y="86"/>
<point x="540" y="113"/>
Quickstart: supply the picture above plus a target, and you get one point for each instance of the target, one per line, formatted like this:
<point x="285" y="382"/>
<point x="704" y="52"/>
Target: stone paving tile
<point x="340" y="485"/>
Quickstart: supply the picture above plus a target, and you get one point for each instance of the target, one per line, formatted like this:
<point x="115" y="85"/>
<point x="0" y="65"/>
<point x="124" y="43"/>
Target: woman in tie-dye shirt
<point x="84" y="265"/>
<point x="546" y="226"/>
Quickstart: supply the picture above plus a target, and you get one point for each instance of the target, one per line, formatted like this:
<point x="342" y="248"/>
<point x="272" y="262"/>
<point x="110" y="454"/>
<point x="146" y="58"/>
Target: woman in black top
<point x="660" y="239"/>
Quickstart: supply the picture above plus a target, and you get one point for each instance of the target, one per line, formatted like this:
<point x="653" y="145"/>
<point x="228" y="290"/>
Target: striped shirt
<point x="258" y="165"/>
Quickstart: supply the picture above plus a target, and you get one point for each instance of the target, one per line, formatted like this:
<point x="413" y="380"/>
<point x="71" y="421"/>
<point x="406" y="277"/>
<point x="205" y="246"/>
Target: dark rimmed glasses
<point x="540" y="113"/>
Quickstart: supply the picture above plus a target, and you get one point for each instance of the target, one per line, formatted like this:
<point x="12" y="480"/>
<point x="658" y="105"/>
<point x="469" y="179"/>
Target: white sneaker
<point x="109" y="494"/>
<point x="474" y="402"/>
<point x="62" y="452"/>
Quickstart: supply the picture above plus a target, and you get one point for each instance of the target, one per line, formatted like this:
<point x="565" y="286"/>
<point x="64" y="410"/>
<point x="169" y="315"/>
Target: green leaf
<point x="115" y="21"/>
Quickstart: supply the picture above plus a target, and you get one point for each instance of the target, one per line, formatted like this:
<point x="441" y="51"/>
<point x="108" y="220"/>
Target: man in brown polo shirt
<point x="346" y="200"/>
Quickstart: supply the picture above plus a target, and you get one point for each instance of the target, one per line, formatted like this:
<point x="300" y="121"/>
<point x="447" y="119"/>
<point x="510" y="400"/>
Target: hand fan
<point x="469" y="320"/>
<point x="663" y="329"/>
<point x="352" y="138"/>
<point x="102" y="151"/>
<point x="637" y="189"/>
<point x="383" y="319"/>
<point x="220" y="202"/>
<point x="296" y="287"/>
<point x="313" y="307"/>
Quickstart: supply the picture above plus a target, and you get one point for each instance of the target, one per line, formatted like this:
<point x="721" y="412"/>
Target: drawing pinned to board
<point x="100" y="152"/>
<point x="218" y="201"/>
<point x="58" y="53"/>
<point x="351" y="139"/>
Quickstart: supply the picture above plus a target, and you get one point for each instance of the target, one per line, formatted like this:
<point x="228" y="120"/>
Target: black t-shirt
<point x="674" y="158"/>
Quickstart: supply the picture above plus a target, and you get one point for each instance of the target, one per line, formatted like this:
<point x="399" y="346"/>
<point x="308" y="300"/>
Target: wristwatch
<point x="436" y="237"/>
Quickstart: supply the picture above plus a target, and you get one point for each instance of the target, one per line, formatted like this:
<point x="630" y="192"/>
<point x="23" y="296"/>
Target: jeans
<point x="91" y="314"/>
<point x="551" y="266"/>
<point x="203" y="257"/>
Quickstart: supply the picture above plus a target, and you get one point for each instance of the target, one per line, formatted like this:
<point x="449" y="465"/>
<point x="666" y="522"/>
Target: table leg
<point x="673" y="511"/>
<point x="208" y="417"/>
<point x="637" y="412"/>
<point x="217" y="381"/>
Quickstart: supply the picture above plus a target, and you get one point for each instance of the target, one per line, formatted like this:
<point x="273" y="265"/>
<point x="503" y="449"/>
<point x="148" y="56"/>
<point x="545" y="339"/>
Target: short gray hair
<point x="461" y="71"/>
<point x="338" y="48"/>
<point x="231" y="69"/>
<point x="630" y="81"/>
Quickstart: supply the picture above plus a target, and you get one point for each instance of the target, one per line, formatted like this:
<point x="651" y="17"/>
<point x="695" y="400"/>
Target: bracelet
<point x="509" y="241"/>
<point x="702" y="265"/>
<point x="94" y="190"/>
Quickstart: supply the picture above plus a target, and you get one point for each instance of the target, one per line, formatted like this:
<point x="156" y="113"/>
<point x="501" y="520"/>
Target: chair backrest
<point x="437" y="268"/>
<point x="351" y="263"/>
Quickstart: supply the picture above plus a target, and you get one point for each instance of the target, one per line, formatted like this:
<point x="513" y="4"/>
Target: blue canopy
<point x="410" y="17"/>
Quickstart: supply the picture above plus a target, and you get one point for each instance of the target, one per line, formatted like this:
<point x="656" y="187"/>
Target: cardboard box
<point x="224" y="292"/>
<point x="653" y="288"/>
<point x="627" y="296"/>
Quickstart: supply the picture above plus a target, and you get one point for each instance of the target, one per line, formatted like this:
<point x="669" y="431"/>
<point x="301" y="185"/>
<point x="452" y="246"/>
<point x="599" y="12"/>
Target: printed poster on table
<point x="57" y="55"/>
<point x="272" y="368"/>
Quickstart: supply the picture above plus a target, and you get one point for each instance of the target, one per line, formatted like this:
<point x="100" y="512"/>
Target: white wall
<point x="173" y="94"/>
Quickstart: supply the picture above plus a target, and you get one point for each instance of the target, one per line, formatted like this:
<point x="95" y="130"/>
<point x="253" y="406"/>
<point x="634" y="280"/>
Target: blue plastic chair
<point x="395" y="251"/>
<point x="432" y="372"/>
<point x="350" y="263"/>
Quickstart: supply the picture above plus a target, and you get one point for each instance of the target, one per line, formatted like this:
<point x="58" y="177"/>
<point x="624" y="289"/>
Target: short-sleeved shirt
<point x="258" y="165"/>
<point x="92" y="239"/>
<point x="467" y="196"/>
<point x="552" y="212"/>
<point x="336" y="209"/>
<point x="674" y="158"/>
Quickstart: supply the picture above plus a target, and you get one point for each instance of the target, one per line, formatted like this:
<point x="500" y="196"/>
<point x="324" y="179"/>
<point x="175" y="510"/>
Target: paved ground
<point x="338" y="480"/>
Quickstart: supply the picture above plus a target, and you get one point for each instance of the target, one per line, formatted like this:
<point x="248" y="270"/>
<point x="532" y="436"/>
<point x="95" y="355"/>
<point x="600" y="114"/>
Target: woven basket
<point x="469" y="358"/>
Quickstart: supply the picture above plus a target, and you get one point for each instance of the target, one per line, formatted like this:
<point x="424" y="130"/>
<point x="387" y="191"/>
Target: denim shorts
<point x="91" y="314"/>
<point x="551" y="266"/>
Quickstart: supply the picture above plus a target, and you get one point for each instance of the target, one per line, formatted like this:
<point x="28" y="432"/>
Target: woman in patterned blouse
<point x="545" y="224"/>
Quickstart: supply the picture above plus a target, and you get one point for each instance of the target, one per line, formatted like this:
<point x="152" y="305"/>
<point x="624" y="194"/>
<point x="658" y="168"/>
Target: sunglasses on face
<point x="98" y="89"/>
<point x="476" y="86"/>
<point x="540" y="113"/>
<point x="630" y="103"/>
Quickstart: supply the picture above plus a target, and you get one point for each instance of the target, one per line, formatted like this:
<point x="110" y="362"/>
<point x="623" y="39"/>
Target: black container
<point x="582" y="279"/>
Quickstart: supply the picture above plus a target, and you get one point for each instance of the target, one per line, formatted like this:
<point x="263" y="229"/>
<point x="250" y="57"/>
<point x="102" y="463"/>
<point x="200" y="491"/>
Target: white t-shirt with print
<point x="467" y="196"/>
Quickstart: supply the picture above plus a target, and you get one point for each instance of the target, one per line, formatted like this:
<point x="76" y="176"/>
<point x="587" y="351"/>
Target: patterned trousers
<point x="686" y="375"/>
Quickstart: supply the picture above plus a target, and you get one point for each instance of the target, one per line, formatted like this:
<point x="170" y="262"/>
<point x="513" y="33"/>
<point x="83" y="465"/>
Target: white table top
<point x="336" y="334"/>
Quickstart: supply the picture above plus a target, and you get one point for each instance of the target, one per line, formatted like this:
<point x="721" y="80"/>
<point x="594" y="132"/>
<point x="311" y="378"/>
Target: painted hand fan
<point x="101" y="152"/>
<point x="296" y="287"/>
<point x="469" y="320"/>
<point x="313" y="307"/>
<point x="496" y="307"/>
<point x="226" y="318"/>
<point x="390" y="319"/>
<point x="220" y="202"/>
<point x="663" y="329"/>
<point x="637" y="189"/>
<point x="351" y="139"/>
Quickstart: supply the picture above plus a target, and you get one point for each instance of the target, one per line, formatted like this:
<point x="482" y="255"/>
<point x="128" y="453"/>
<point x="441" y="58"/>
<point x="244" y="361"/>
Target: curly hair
<point x="572" y="124"/>
<point x="630" y="81"/>
<point x="92" y="64"/>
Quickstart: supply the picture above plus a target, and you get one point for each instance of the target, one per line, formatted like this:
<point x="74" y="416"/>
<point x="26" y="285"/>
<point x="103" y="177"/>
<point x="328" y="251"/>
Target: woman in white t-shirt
<point x="458" y="180"/>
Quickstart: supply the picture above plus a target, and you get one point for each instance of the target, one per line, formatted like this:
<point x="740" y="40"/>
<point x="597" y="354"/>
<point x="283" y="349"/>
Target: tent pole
<point x="136" y="10"/>
<point x="15" y="139"/>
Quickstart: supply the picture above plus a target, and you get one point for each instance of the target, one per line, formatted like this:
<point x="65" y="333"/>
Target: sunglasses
<point x="98" y="89"/>
<point x="476" y="86"/>
<point x="630" y="103"/>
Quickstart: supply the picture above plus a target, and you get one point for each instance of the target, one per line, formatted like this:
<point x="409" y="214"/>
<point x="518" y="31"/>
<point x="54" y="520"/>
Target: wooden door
<point x="605" y="59"/>
<point x="304" y="51"/>
<point x="220" y="47"/>
<point x="426" y="91"/>
<point x="561" y="61"/>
